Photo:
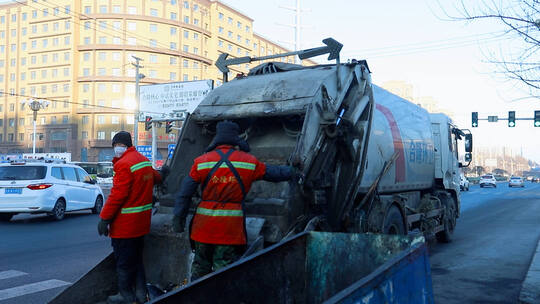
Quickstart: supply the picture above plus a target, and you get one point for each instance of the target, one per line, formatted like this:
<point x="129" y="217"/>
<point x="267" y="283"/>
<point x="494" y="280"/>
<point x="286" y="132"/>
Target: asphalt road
<point x="486" y="262"/>
<point x="492" y="248"/>
<point x="37" y="253"/>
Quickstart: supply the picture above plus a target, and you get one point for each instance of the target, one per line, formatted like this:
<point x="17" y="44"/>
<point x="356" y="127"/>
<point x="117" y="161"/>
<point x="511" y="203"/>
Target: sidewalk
<point x="530" y="289"/>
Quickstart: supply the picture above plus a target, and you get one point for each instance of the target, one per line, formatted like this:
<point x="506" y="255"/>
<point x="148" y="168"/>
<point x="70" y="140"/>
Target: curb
<point x="530" y="289"/>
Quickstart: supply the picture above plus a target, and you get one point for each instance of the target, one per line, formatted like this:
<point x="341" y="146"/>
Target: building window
<point x="172" y="76"/>
<point x="66" y="71"/>
<point x="23" y="31"/>
<point x="239" y="24"/>
<point x="43" y="74"/>
<point x="103" y="25"/>
<point x="55" y="42"/>
<point x="65" y="119"/>
<point x="45" y="43"/>
<point x="84" y="134"/>
<point x="195" y="50"/>
<point x="229" y="34"/>
<point x="186" y="48"/>
<point x="116" y="40"/>
<point x="132" y="41"/>
<point x="153" y="43"/>
<point x="152" y="58"/>
<point x="229" y="20"/>
<point x="238" y="38"/>
<point x="115" y="72"/>
<point x="85" y="120"/>
<point x="116" y="9"/>
<point x="195" y="36"/>
<point x="86" y="72"/>
<point x="86" y="56"/>
<point x="130" y="119"/>
<point x="86" y="103"/>
<point x="10" y="137"/>
<point x="132" y="26"/>
<point x="55" y="57"/>
<point x="86" y="40"/>
<point x="186" y="34"/>
<point x="116" y="56"/>
<point x="67" y="9"/>
<point x="172" y="60"/>
<point x="115" y="86"/>
<point x="13" y="33"/>
<point x="132" y="10"/>
<point x="102" y="56"/>
<point x="185" y="77"/>
<point x="153" y="74"/>
<point x="24" y="16"/>
<point x="173" y="16"/>
<point x="103" y="9"/>
<point x="220" y="16"/>
<point x="66" y="89"/>
<point x="173" y="45"/>
<point x="102" y="88"/>
<point x="117" y="25"/>
<point x="66" y="56"/>
<point x="45" y="12"/>
<point x="53" y="120"/>
<point x="87" y="9"/>
<point x="87" y="25"/>
<point x="86" y="87"/>
<point x="115" y="120"/>
<point x="186" y="19"/>
<point x="173" y="31"/>
<point x="34" y="14"/>
<point x="101" y="72"/>
<point x="21" y="122"/>
<point x="67" y="25"/>
<point x="153" y="12"/>
<point x="102" y="40"/>
<point x="153" y="28"/>
<point x="101" y="119"/>
<point x="101" y="102"/>
<point x="56" y="11"/>
<point x="101" y="135"/>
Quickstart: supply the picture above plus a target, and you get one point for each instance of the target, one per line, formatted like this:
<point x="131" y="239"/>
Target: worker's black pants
<point x="130" y="268"/>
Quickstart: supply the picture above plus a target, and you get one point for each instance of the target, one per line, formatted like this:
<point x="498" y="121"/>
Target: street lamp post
<point x="138" y="77"/>
<point x="35" y="105"/>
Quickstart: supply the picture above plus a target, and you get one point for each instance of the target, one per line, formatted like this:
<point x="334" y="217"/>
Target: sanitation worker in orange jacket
<point x="225" y="175"/>
<point x="126" y="217"/>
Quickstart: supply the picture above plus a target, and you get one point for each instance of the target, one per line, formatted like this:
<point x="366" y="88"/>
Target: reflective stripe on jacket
<point x="219" y="218"/>
<point x="130" y="202"/>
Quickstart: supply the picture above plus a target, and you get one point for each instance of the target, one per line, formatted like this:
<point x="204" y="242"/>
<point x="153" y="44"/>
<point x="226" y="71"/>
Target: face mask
<point x="118" y="151"/>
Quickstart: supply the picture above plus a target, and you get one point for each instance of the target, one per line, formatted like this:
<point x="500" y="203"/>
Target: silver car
<point x="516" y="181"/>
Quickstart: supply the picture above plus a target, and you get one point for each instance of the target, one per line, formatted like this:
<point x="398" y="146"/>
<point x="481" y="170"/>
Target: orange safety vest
<point x="226" y="177"/>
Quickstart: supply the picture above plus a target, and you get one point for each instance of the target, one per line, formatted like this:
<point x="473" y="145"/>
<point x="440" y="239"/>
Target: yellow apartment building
<point x="77" y="55"/>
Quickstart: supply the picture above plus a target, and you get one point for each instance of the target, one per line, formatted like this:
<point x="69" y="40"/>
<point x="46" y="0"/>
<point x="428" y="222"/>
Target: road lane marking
<point x="30" y="288"/>
<point x="8" y="274"/>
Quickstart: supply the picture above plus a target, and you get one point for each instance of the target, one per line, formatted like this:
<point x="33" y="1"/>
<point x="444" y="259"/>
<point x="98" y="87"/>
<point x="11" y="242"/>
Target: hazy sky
<point x="409" y="41"/>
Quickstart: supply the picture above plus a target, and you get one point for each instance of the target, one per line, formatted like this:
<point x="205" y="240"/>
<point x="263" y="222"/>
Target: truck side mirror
<point x="468" y="144"/>
<point x="468" y="157"/>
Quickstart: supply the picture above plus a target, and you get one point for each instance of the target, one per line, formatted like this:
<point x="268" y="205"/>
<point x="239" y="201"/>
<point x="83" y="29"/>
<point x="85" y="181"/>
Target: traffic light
<point x="148" y="123"/>
<point x="511" y="119"/>
<point x="168" y="126"/>
<point x="537" y="118"/>
<point x="474" y="119"/>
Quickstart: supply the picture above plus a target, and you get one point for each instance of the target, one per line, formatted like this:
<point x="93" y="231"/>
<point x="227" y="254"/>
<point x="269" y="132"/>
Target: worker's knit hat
<point x="227" y="133"/>
<point x="122" y="137"/>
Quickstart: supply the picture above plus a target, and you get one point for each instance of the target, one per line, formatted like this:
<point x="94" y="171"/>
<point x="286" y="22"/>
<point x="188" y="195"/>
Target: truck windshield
<point x="105" y="170"/>
<point x="22" y="172"/>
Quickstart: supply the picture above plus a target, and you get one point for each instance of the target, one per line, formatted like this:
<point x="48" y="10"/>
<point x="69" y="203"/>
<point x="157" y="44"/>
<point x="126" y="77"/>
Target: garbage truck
<point x="369" y="160"/>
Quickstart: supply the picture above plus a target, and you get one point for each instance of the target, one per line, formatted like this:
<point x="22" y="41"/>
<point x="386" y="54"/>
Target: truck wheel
<point x="5" y="217"/>
<point x="449" y="221"/>
<point x="393" y="222"/>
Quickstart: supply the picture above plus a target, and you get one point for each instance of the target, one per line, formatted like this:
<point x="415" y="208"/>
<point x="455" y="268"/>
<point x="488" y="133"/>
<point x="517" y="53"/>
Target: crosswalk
<point x="25" y="289"/>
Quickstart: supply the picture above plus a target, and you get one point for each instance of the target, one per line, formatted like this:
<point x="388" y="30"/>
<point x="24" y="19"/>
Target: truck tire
<point x="393" y="222"/>
<point x="449" y="220"/>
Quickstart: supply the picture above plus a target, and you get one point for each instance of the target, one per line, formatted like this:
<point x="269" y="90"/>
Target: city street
<point x="493" y="245"/>
<point x="485" y="263"/>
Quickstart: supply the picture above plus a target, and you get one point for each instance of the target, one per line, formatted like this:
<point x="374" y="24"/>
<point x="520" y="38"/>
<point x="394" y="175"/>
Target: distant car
<point x="488" y="180"/>
<point x="463" y="183"/>
<point x="516" y="181"/>
<point x="46" y="187"/>
<point x="535" y="180"/>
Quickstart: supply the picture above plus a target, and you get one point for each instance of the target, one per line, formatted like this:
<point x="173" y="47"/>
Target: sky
<point x="413" y="41"/>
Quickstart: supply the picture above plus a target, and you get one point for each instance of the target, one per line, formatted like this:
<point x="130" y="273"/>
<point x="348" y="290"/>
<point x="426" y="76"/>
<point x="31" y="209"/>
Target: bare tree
<point x="519" y="59"/>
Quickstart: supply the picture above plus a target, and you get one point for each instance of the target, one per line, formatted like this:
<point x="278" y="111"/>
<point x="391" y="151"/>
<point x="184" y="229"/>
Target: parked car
<point x="516" y="181"/>
<point x="463" y="183"/>
<point x="50" y="187"/>
<point x="535" y="180"/>
<point x="488" y="180"/>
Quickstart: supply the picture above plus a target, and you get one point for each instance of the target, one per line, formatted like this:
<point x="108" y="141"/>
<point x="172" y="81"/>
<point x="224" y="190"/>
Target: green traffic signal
<point x="474" y="119"/>
<point x="511" y="119"/>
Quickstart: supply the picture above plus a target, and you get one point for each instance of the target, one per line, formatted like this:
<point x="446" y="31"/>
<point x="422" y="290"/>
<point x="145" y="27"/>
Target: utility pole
<point x="297" y="27"/>
<point x="154" y="143"/>
<point x="137" y="100"/>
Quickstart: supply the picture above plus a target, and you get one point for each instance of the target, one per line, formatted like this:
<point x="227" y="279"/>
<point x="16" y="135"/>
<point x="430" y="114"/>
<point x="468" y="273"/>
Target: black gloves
<point x="178" y="223"/>
<point x="103" y="227"/>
